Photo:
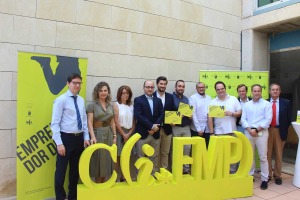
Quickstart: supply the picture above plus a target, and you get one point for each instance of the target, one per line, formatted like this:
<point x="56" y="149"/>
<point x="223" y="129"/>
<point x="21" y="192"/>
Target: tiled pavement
<point x="286" y="191"/>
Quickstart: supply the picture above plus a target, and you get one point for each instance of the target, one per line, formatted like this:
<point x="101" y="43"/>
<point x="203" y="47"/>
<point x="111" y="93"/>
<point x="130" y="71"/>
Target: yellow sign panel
<point x="185" y="109"/>
<point x="173" y="117"/>
<point x="41" y="78"/>
<point x="209" y="170"/>
<point x="216" y="111"/>
<point x="232" y="79"/>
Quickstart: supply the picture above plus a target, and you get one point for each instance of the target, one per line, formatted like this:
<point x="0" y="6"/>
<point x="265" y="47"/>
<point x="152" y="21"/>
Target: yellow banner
<point x="232" y="79"/>
<point x="41" y="78"/>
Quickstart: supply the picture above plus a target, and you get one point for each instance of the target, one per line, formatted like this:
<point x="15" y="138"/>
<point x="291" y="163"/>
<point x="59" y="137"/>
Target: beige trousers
<point x="165" y="144"/>
<point x="275" y="145"/>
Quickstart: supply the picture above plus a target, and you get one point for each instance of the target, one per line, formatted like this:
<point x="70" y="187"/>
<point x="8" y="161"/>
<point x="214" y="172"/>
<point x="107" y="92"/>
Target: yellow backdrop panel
<point x="41" y="78"/>
<point x="232" y="79"/>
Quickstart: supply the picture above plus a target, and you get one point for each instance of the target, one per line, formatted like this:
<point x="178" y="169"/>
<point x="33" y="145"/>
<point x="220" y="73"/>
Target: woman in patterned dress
<point x="101" y="125"/>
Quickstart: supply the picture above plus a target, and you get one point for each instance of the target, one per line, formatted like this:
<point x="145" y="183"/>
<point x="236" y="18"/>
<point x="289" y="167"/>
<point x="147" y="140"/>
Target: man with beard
<point x="182" y="130"/>
<point x="200" y="101"/>
<point x="166" y="129"/>
<point x="256" y="118"/>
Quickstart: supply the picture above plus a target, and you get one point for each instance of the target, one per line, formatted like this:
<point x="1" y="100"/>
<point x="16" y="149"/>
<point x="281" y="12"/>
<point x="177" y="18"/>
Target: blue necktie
<point x="150" y="100"/>
<point x="79" y="123"/>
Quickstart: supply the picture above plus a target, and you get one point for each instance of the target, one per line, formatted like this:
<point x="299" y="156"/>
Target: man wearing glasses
<point x="148" y="112"/>
<point x="221" y="126"/>
<point x="70" y="133"/>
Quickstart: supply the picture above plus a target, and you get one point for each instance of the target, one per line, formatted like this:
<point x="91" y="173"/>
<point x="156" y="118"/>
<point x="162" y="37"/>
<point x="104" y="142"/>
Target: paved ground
<point x="286" y="191"/>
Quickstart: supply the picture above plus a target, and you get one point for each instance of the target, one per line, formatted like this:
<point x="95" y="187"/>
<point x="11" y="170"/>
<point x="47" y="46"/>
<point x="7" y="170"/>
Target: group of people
<point x="102" y="121"/>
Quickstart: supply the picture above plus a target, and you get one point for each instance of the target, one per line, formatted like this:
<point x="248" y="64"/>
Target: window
<point x="262" y="6"/>
<point x="261" y="3"/>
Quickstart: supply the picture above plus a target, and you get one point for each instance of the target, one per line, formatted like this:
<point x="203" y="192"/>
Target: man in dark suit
<point x="166" y="130"/>
<point x="278" y="131"/>
<point x="148" y="112"/>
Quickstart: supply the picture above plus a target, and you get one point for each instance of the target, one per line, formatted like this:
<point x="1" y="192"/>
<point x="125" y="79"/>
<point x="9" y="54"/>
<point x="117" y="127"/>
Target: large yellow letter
<point x="84" y="166"/>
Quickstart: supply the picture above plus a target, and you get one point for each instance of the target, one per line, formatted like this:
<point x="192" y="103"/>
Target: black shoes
<point x="264" y="185"/>
<point x="278" y="181"/>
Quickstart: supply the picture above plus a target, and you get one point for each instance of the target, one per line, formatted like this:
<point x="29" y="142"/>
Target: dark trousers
<point x="74" y="148"/>
<point x="206" y="136"/>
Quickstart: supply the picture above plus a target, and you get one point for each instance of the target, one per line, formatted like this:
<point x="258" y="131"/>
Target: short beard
<point x="160" y="90"/>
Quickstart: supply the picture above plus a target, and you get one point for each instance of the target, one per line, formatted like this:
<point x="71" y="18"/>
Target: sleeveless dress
<point x="125" y="120"/>
<point x="101" y="163"/>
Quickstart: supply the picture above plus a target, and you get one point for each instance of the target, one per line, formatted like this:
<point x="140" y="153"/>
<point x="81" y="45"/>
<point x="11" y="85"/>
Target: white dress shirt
<point x="64" y="117"/>
<point x="277" y="109"/>
<point x="257" y="114"/>
<point x="200" y="104"/>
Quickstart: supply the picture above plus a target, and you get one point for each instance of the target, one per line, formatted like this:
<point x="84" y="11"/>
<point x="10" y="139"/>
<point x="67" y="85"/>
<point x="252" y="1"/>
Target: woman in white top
<point x="123" y="119"/>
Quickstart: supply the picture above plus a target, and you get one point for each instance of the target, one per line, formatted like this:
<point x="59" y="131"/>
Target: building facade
<point x="128" y="41"/>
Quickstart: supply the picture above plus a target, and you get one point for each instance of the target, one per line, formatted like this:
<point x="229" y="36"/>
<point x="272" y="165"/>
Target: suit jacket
<point x="284" y="117"/>
<point x="144" y="117"/>
<point x="169" y="105"/>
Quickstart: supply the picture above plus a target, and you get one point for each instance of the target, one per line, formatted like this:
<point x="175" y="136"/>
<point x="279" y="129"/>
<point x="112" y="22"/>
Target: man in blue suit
<point x="278" y="131"/>
<point x="148" y="112"/>
<point x="166" y="129"/>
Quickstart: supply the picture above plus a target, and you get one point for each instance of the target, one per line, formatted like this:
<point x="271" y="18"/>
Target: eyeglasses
<point x="149" y="87"/>
<point x="220" y="89"/>
<point x="77" y="83"/>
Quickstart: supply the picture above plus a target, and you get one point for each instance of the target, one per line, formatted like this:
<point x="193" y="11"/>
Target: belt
<point x="98" y="124"/>
<point x="72" y="134"/>
<point x="225" y="134"/>
<point x="277" y="126"/>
